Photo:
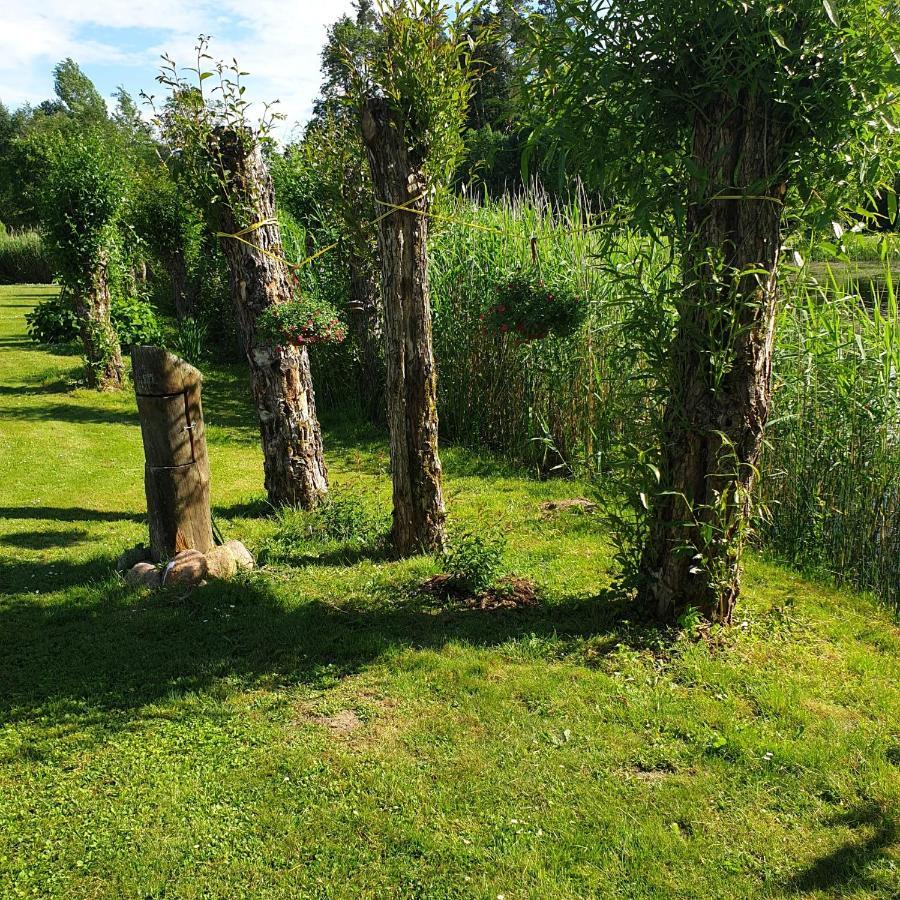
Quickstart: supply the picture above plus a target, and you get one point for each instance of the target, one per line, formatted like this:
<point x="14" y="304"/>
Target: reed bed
<point x="22" y="258"/>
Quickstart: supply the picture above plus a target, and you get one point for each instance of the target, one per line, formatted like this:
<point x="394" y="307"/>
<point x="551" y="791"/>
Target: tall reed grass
<point x="830" y="480"/>
<point x="22" y="258"/>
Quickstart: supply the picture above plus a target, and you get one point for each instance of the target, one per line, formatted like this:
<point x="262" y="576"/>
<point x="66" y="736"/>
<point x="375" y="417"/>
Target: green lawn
<point x="325" y="731"/>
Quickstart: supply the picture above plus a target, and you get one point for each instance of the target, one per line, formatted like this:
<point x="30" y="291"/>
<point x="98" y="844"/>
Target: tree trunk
<point x="281" y="377"/>
<point x="366" y="324"/>
<point x="176" y="469"/>
<point x="721" y="362"/>
<point x="411" y="374"/>
<point x="98" y="337"/>
<point x="182" y="295"/>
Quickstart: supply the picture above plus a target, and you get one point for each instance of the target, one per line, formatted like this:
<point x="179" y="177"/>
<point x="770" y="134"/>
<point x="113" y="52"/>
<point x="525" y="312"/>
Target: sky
<point x="119" y="42"/>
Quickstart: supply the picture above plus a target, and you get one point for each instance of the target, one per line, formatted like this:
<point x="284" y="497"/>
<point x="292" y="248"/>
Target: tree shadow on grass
<point x="259" y="508"/>
<point x="336" y="553"/>
<point x="44" y="540"/>
<point x="111" y="649"/>
<point x="69" y="514"/>
<point x="25" y="576"/>
<point x="847" y="868"/>
<point x="75" y="413"/>
<point x="34" y="389"/>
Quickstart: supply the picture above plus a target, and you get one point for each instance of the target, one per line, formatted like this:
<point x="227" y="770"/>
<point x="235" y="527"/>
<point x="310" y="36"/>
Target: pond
<point x="868" y="279"/>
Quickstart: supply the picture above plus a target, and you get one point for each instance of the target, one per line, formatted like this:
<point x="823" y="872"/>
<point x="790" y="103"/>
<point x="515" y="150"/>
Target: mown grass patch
<point x="321" y="728"/>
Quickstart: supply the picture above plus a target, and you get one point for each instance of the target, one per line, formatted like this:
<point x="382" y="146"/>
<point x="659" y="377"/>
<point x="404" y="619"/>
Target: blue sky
<point x="277" y="41"/>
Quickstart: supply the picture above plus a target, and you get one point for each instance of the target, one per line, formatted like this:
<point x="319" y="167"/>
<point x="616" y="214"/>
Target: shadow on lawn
<point x="33" y="389"/>
<point x="75" y="412"/>
<point x="846" y="868"/>
<point x="44" y="540"/>
<point x="69" y="514"/>
<point x="123" y="651"/>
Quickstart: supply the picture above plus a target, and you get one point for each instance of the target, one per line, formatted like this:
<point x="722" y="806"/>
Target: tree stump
<point x="176" y="471"/>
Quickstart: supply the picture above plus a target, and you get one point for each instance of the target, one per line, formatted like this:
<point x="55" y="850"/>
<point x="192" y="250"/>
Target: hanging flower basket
<point x="526" y="307"/>
<point x="306" y="320"/>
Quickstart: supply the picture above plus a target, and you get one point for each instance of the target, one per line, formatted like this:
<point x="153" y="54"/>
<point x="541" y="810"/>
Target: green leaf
<point x="830" y="12"/>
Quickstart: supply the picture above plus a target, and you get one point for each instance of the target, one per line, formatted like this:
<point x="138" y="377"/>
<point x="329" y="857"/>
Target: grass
<point x="323" y="731"/>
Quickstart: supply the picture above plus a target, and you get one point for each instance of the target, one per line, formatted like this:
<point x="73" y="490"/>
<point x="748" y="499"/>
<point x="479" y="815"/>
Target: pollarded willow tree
<point x="413" y="88"/>
<point x="82" y="184"/>
<point x="727" y="123"/>
<point x="218" y="155"/>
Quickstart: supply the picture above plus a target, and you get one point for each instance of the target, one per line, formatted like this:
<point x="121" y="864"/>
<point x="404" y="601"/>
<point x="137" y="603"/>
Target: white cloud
<point x="277" y="41"/>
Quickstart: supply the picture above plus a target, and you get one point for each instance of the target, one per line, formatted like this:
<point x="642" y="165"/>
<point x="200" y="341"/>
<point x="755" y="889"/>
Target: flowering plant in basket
<point x="305" y="320"/>
<point x="527" y="307"/>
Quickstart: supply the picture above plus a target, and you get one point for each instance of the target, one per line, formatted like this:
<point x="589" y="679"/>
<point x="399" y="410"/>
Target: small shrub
<point x="53" y="321"/>
<point x="473" y="562"/>
<point x="339" y="519"/>
<point x="135" y="321"/>
<point x="527" y="307"/>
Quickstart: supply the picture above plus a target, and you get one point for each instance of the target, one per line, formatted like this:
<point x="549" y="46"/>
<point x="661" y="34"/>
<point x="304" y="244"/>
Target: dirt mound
<point x="510" y="592"/>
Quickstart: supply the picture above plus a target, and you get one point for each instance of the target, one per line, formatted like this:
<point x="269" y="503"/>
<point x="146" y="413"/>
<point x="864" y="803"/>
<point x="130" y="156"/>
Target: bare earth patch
<point x="510" y="592"/>
<point x="342" y="722"/>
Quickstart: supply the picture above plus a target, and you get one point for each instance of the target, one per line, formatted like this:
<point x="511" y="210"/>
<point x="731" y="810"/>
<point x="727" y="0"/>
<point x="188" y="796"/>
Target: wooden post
<point x="176" y="472"/>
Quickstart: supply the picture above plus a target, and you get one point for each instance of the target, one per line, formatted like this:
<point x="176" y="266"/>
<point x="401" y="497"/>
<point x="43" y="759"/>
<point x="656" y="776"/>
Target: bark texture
<point x="98" y="337"/>
<point x="281" y="377"/>
<point x="418" y="523"/>
<point x="366" y="324"/>
<point x="721" y="365"/>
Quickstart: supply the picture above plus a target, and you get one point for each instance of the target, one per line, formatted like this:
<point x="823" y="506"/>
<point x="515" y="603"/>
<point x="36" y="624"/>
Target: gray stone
<point x="153" y="579"/>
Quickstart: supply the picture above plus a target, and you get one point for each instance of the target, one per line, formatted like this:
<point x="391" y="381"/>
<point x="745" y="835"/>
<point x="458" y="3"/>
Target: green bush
<point x="54" y="321"/>
<point x="473" y="562"/>
<point x="22" y="259"/>
<point x="135" y="321"/>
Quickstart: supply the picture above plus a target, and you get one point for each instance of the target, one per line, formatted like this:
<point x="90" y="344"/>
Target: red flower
<point x="501" y="308"/>
<point x="504" y="328"/>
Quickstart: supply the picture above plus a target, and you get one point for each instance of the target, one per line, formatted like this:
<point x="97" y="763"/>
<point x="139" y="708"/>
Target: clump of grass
<point x="341" y="526"/>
